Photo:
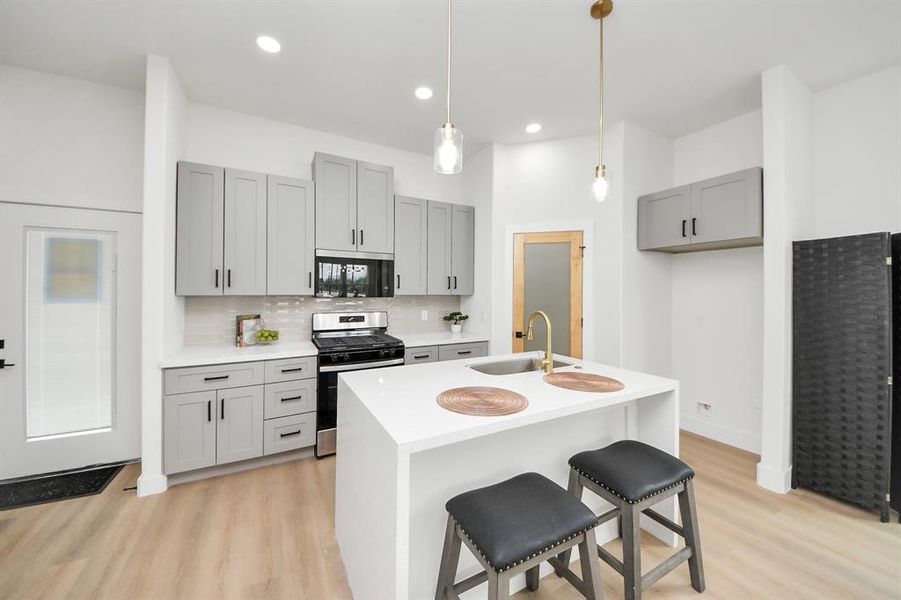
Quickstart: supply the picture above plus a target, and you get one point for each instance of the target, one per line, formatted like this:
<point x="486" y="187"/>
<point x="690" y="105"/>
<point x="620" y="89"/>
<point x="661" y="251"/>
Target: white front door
<point x="70" y="282"/>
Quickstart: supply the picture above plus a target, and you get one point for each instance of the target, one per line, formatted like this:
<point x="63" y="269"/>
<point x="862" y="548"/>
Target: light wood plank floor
<point x="269" y="534"/>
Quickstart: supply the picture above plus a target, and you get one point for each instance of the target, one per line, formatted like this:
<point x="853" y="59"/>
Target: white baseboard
<point x="237" y="467"/>
<point x="774" y="479"/>
<point x="721" y="433"/>
<point x="152" y="484"/>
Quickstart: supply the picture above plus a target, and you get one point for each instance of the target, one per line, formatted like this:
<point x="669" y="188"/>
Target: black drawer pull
<point x="293" y="369"/>
<point x="694" y="226"/>
<point x="684" y="222"/>
<point x="217" y="378"/>
<point x="292" y="398"/>
<point x="398" y="282"/>
<point x="418" y="356"/>
<point x="448" y="282"/>
<point x="217" y="278"/>
<point x="455" y="282"/>
<point x="462" y="352"/>
<point x="284" y="435"/>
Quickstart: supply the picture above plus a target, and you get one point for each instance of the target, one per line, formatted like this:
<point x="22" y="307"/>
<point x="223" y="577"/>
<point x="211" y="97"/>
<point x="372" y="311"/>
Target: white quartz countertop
<point x="403" y="399"/>
<point x="439" y="338"/>
<point x="216" y="354"/>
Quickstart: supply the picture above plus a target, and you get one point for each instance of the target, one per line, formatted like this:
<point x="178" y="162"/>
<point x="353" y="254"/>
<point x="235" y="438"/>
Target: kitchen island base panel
<point x="390" y="516"/>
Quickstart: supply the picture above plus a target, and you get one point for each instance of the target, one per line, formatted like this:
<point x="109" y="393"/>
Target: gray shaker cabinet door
<point x="664" y="219"/>
<point x="462" y="250"/>
<point x="410" y="246"/>
<point x="245" y="233"/>
<point x="290" y="237"/>
<point x="239" y="425"/>
<point x="439" y="244"/>
<point x="728" y="207"/>
<point x="198" y="231"/>
<point x="189" y="431"/>
<point x="336" y="202"/>
<point x="375" y="208"/>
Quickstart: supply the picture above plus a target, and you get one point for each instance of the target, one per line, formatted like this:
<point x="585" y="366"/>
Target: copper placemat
<point x="482" y="401"/>
<point x="584" y="382"/>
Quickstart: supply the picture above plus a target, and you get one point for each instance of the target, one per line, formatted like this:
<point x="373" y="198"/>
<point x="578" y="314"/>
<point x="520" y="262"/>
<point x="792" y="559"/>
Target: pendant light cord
<point x="449" y="61"/>
<point x="601" y="103"/>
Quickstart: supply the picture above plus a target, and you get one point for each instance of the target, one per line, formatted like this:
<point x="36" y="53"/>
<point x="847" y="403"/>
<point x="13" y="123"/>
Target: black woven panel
<point x="841" y="406"/>
<point x="896" y="388"/>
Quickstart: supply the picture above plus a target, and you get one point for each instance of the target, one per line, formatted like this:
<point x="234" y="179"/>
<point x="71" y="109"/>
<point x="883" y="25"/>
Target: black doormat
<point x="50" y="488"/>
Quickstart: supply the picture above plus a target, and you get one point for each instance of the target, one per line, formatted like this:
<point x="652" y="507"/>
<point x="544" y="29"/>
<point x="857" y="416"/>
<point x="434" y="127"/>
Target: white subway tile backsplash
<point x="211" y="319"/>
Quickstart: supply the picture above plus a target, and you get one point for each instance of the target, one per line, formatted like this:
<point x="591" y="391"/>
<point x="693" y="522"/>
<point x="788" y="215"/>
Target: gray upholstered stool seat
<point x="512" y="527"/>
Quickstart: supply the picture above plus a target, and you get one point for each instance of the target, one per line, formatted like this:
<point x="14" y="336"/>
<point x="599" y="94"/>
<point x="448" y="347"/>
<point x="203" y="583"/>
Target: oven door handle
<point x="357" y="367"/>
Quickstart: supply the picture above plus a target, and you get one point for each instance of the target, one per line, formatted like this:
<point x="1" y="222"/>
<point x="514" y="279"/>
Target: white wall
<point x="231" y="139"/>
<point x="717" y="303"/>
<point x="857" y="155"/>
<point x="478" y="190"/>
<point x="70" y="142"/>
<point x="162" y="312"/>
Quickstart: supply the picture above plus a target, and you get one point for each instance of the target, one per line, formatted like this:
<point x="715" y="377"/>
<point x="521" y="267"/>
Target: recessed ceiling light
<point x="533" y="127"/>
<point x="423" y="93"/>
<point x="268" y="44"/>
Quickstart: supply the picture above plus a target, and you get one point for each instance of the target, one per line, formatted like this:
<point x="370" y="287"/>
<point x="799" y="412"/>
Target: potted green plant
<point x="456" y="320"/>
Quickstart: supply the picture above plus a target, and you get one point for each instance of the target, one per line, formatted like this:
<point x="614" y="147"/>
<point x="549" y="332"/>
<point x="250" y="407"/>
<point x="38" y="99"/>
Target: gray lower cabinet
<point x="239" y="428"/>
<point x="289" y="433"/>
<point x="198" y="237"/>
<point x="375" y="208"/>
<point x="245" y="233"/>
<point x="336" y="202"/>
<point x="462" y="351"/>
<point x="440" y="223"/>
<point x="410" y="246"/>
<point x="462" y="250"/>
<point x="289" y="398"/>
<point x="290" y="236"/>
<point x="422" y="354"/>
<point x="721" y="212"/>
<point x="189" y="431"/>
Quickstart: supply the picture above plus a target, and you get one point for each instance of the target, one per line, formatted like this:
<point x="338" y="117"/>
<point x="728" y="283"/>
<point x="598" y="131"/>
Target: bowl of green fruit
<point x="267" y="336"/>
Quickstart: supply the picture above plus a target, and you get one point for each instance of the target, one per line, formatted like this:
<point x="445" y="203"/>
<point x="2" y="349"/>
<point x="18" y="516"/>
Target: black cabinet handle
<point x="310" y="279"/>
<point x="684" y="222"/>
<point x="292" y="370"/>
<point x="217" y="378"/>
<point x="694" y="226"/>
<point x="222" y="409"/>
<point x="398" y="282"/>
<point x="4" y="364"/>
<point x="284" y="435"/>
<point x="361" y="237"/>
<point x="455" y="282"/>
<point x="448" y="282"/>
<point x="292" y="398"/>
<point x="209" y="411"/>
<point x="353" y="237"/>
<point x="419" y="356"/>
<point x="464" y="352"/>
<point x="217" y="278"/>
<point x="229" y="275"/>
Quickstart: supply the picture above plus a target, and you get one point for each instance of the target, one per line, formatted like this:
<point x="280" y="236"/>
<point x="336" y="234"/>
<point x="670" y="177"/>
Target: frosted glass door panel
<point x="70" y="307"/>
<point x="547" y="288"/>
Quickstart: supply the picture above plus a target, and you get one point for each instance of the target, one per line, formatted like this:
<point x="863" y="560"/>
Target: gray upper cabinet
<point x="410" y="246"/>
<point x="199" y="267"/>
<point x="245" y="233"/>
<point x="663" y="219"/>
<point x="336" y="202"/>
<point x="375" y="208"/>
<point x="721" y="212"/>
<point x="189" y="431"/>
<point x="440" y="225"/>
<point x="462" y="250"/>
<point x="290" y="237"/>
<point x="239" y="425"/>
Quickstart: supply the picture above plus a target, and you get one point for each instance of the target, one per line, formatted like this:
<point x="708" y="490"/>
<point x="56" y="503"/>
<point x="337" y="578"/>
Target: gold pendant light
<point x="599" y="187"/>
<point x="448" y="147"/>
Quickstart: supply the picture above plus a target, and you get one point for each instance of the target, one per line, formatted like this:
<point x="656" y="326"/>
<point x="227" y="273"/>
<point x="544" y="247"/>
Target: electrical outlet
<point x="424" y="315"/>
<point x="699" y="322"/>
<point x="705" y="410"/>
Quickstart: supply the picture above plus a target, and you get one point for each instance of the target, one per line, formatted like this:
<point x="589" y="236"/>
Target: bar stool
<point x="633" y="477"/>
<point x="514" y="526"/>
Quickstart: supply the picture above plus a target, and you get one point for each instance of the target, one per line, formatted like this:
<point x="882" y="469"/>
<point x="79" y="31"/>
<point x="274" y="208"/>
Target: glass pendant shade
<point x="600" y="185"/>
<point x="448" y="149"/>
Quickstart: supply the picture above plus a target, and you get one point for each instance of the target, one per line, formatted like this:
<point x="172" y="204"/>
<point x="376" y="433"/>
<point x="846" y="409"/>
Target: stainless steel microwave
<point x="346" y="277"/>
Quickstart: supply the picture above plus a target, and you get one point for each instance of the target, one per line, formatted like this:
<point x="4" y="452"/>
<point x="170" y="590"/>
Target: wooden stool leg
<point x="692" y="538"/>
<point x="450" y="557"/>
<point x="574" y="488"/>
<point x="631" y="551"/>
<point x="498" y="585"/>
<point x="591" y="571"/>
<point x="533" y="576"/>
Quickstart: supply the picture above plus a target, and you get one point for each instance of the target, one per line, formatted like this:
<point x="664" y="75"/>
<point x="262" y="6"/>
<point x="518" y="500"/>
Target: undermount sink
<point x="511" y="367"/>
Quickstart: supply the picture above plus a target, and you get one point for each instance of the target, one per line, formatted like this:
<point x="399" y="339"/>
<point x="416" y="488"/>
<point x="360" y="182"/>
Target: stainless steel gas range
<point x="347" y="341"/>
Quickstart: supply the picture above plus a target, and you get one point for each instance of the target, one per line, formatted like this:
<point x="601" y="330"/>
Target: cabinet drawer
<point x="290" y="369"/>
<point x="424" y="354"/>
<point x="459" y="351"/>
<point x="289" y="433"/>
<point x="289" y="398"/>
<point x="213" y="377"/>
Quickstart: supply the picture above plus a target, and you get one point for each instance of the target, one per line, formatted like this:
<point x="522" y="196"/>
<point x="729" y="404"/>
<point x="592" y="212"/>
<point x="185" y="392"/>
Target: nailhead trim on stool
<point x="555" y="544"/>
<point x="623" y="498"/>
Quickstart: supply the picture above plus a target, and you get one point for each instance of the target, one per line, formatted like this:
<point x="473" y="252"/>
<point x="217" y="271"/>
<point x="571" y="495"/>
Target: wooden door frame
<point x="575" y="239"/>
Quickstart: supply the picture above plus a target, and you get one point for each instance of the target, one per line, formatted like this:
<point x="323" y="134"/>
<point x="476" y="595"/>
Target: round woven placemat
<point x="584" y="382"/>
<point x="481" y="401"/>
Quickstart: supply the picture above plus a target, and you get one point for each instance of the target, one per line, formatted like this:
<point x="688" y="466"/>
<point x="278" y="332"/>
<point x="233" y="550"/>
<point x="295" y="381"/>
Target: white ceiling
<point x="350" y="67"/>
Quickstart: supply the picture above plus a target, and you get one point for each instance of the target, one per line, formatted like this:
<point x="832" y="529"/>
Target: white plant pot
<point x="458" y="328"/>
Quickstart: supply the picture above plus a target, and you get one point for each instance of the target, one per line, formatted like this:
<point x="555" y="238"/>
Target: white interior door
<point x="70" y="321"/>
